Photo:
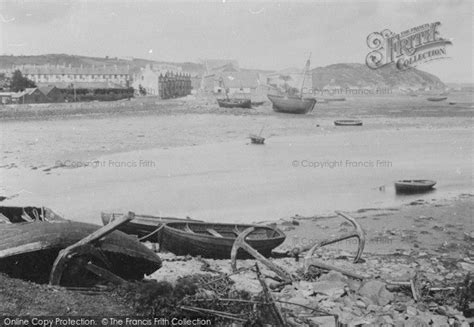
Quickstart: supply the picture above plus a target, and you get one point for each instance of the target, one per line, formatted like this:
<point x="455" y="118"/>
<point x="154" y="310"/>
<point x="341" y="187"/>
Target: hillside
<point x="359" y="75"/>
<point x="76" y="61"/>
<point x="343" y="75"/>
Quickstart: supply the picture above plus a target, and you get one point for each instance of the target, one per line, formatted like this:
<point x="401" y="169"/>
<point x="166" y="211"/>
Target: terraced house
<point x="62" y="76"/>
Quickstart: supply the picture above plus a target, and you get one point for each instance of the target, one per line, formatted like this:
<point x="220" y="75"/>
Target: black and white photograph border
<point x="236" y="163"/>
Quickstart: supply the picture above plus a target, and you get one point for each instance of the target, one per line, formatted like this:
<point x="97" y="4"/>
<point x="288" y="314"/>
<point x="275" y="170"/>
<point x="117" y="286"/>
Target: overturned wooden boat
<point x="70" y="253"/>
<point x="292" y="104"/>
<point x="348" y="122"/>
<point x="142" y="226"/>
<point x="214" y="240"/>
<point x="234" y="103"/>
<point x="438" y="98"/>
<point x="414" y="185"/>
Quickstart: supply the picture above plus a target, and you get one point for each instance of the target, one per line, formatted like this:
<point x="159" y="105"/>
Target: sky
<point x="263" y="35"/>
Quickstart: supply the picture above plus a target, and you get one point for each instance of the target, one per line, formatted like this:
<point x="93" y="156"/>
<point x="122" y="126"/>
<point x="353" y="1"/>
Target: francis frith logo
<point x="406" y="49"/>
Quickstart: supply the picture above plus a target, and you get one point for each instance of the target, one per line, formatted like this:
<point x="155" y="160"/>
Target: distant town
<point x="46" y="82"/>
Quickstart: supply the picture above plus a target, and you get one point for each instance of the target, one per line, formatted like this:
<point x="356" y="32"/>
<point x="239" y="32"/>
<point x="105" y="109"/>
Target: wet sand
<point x="200" y="164"/>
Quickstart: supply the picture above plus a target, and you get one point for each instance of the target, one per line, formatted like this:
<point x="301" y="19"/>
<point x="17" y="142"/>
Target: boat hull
<point x="234" y="103"/>
<point x="414" y="186"/>
<point x="175" y="238"/>
<point x="437" y="98"/>
<point x="348" y="122"/>
<point x="28" y="251"/>
<point x="142" y="225"/>
<point x="292" y="105"/>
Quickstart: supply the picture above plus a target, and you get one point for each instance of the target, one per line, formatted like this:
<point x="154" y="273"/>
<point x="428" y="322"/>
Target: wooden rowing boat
<point x="292" y="104"/>
<point x="142" y="226"/>
<point x="348" y="122"/>
<point x="28" y="250"/>
<point x="211" y="240"/>
<point x="414" y="185"/>
<point x="439" y="98"/>
<point x="234" y="103"/>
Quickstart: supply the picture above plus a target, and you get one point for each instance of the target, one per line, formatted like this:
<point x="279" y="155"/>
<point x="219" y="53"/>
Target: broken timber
<point x="240" y="243"/>
<point x="83" y="246"/>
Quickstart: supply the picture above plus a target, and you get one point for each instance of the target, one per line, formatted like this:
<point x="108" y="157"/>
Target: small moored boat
<point x="292" y="104"/>
<point x="414" y="185"/>
<point x="348" y="122"/>
<point x="257" y="103"/>
<point x="256" y="139"/>
<point x="211" y="240"/>
<point x="234" y="103"/>
<point x="438" y="98"/>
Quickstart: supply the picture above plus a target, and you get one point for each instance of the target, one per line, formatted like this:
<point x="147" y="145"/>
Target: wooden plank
<point x="65" y="254"/>
<point x="30" y="247"/>
<point x="105" y="274"/>
<point x="189" y="230"/>
<point x="4" y="219"/>
<point x="214" y="232"/>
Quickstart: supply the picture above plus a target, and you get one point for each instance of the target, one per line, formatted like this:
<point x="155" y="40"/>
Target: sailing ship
<point x="294" y="104"/>
<point x="233" y="102"/>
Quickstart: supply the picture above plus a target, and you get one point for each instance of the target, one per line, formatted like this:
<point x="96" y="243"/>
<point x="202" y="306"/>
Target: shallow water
<point x="236" y="181"/>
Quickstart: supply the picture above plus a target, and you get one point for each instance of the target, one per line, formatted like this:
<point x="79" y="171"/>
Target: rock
<point x="373" y="308"/>
<point x="333" y="276"/>
<point x="376" y="291"/>
<point x="328" y="321"/>
<point x="360" y="304"/>
<point x="332" y="289"/>
<point x="301" y="301"/>
<point x="466" y="266"/>
<point x="411" y="311"/>
<point x="415" y="322"/>
<point x="437" y="320"/>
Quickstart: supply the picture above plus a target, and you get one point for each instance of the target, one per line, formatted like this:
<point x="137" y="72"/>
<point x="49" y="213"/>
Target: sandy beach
<point x="189" y="158"/>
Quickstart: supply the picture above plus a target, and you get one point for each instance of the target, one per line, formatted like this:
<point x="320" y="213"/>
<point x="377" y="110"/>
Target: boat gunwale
<point x="416" y="182"/>
<point x="183" y="232"/>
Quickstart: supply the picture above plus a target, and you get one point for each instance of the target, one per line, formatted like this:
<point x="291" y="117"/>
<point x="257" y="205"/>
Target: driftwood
<point x="105" y="274"/>
<point x="276" y="313"/>
<point x="318" y="264"/>
<point x="83" y="246"/>
<point x="240" y="243"/>
<point x="213" y="312"/>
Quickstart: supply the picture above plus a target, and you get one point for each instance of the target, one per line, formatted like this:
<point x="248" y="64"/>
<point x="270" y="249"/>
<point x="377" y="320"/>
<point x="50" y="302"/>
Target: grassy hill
<point x="76" y="61"/>
<point x="359" y="75"/>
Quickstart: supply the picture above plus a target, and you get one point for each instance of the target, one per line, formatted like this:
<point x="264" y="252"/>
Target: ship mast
<point x="305" y="69"/>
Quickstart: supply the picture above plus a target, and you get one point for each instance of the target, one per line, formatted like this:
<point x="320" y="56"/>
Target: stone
<point x="331" y="289"/>
<point x="466" y="266"/>
<point x="376" y="291"/>
<point x="373" y="308"/>
<point x="415" y="322"/>
<point x="323" y="321"/>
<point x="411" y="311"/>
<point x="333" y="276"/>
